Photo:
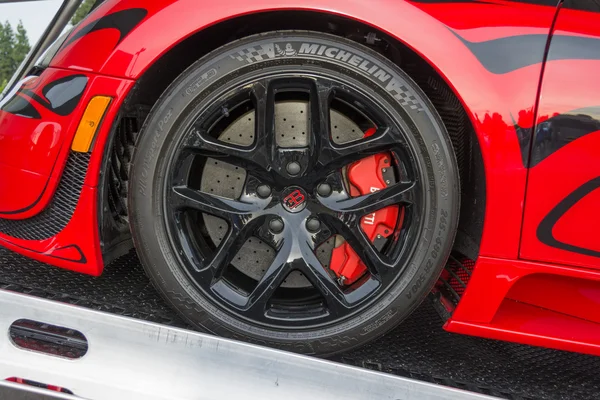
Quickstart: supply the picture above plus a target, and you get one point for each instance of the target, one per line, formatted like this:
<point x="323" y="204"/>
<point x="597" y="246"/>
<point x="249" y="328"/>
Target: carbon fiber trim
<point x="57" y="215"/>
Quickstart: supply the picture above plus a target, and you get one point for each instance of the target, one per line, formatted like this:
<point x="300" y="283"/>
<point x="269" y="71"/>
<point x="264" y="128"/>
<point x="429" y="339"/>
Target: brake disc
<point x="226" y="180"/>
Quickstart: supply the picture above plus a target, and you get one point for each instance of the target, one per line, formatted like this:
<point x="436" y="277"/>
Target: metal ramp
<point x="132" y="359"/>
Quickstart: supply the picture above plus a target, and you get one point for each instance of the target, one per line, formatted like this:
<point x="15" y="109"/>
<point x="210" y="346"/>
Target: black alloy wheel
<point x="244" y="192"/>
<point x="281" y="195"/>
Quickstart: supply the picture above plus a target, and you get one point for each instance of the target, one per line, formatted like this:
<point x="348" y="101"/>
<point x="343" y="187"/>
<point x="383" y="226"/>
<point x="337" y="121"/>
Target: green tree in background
<point x="21" y="47"/>
<point x="7" y="41"/>
<point x="13" y="49"/>
<point x="82" y="12"/>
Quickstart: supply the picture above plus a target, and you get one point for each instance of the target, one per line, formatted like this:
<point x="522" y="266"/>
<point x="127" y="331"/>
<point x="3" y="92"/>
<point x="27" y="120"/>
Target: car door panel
<point x="561" y="217"/>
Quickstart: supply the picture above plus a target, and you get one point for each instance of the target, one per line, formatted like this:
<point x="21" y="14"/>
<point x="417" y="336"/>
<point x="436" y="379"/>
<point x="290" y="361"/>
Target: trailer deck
<point x="418" y="350"/>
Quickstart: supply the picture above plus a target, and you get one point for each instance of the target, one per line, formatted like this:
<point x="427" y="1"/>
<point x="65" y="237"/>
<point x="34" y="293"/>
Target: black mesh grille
<point x="455" y="277"/>
<point x="57" y="215"/>
<point x="119" y="165"/>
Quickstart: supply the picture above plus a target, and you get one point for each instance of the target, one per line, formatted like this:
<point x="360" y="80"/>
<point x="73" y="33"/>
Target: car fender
<point x="476" y="47"/>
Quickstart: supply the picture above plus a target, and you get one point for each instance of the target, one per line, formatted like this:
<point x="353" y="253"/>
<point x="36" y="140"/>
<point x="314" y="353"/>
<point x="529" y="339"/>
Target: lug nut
<point x="293" y="168"/>
<point x="276" y="225"/>
<point x="313" y="225"/>
<point x="263" y="191"/>
<point x="324" y="189"/>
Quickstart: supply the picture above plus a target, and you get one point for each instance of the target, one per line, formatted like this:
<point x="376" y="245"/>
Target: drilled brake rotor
<point x="222" y="179"/>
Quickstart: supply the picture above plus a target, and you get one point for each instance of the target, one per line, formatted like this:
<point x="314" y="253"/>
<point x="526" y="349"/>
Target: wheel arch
<point x="160" y="69"/>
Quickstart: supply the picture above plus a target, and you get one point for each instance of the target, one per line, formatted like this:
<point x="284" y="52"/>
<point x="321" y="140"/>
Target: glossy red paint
<point x="566" y="170"/>
<point x="570" y="90"/>
<point x="45" y="141"/>
<point x="579" y="225"/>
<point x="82" y="231"/>
<point x="524" y="302"/>
<point x="522" y="323"/>
<point x="583" y="295"/>
<point x="30" y="194"/>
<point x="41" y="139"/>
<point x="506" y="298"/>
<point x="493" y="278"/>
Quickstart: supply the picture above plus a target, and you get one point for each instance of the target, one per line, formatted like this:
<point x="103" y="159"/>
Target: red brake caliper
<point x="368" y="175"/>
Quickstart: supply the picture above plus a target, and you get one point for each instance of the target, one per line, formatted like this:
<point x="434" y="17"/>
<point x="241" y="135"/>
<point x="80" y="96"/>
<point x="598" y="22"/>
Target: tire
<point x="429" y="155"/>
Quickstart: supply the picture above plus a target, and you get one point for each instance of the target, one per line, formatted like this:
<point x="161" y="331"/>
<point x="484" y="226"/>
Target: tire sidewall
<point x="261" y="52"/>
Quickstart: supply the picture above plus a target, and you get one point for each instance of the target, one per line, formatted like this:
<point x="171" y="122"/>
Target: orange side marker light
<point x="92" y="118"/>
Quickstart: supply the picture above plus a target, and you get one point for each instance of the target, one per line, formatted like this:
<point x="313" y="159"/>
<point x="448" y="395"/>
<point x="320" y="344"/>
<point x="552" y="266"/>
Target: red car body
<point x="525" y="71"/>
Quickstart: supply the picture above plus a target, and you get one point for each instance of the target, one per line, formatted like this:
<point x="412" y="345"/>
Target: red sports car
<point x="302" y="174"/>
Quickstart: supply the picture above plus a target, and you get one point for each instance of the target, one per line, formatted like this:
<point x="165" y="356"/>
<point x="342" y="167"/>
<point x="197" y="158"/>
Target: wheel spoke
<point x="309" y="265"/>
<point x="335" y="156"/>
<point x="279" y="269"/>
<point x="200" y="143"/>
<point x="280" y="157"/>
<point x="184" y="197"/>
<point x="399" y="193"/>
<point x="320" y="125"/>
<point x="236" y="237"/>
<point x="263" y="97"/>
<point x="376" y="263"/>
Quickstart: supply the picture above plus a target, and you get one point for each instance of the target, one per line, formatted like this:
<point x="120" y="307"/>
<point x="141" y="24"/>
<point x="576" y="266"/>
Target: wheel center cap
<point x="294" y="199"/>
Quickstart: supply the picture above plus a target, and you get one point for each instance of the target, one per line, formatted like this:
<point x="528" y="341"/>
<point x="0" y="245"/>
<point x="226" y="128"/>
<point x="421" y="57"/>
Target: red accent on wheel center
<point x="294" y="199"/>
